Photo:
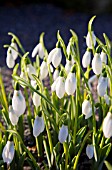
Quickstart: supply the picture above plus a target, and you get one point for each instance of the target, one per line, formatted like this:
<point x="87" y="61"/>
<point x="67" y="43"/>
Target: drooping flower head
<point x="63" y="134"/>
<point x="38" y="126"/>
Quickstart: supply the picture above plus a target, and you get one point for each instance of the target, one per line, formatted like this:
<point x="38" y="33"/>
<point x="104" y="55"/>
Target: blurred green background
<point x="89" y="6"/>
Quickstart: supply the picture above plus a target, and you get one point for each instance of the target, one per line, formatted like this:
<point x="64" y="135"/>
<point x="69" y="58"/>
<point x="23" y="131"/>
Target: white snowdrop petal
<point x="107" y="125"/>
<point x="86" y="59"/>
<point x="57" y="56"/>
<point x="68" y="49"/>
<point x="14" y="50"/>
<point x="38" y="50"/>
<point x="87" y="109"/>
<point x="53" y="86"/>
<point x="70" y="84"/>
<point x="103" y="57"/>
<point x="12" y="116"/>
<point x="18" y="103"/>
<point x="56" y="74"/>
<point x="60" y="87"/>
<point x="68" y="66"/>
<point x="63" y="133"/>
<point x="36" y="99"/>
<point x="31" y="70"/>
<point x="38" y="126"/>
<point x="88" y="40"/>
<point x="43" y="70"/>
<point x="90" y="151"/>
<point x="33" y="83"/>
<point x="50" y="56"/>
<point x="8" y="152"/>
<point x="102" y="86"/>
<point x="106" y="97"/>
<point x="10" y="61"/>
<point x="89" y="114"/>
<point x="97" y="64"/>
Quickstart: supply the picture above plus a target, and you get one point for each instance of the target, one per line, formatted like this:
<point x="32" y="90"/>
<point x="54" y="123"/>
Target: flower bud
<point x="90" y="151"/>
<point x="8" y="152"/>
<point x="43" y="70"/>
<point x="97" y="64"/>
<point x="36" y="99"/>
<point x="86" y="59"/>
<point x="89" y="41"/>
<point x="87" y="108"/>
<point x="10" y="60"/>
<point x="18" y="102"/>
<point x="63" y="133"/>
<point x="13" y="116"/>
<point x="38" y="50"/>
<point x="102" y="86"/>
<point x="70" y="84"/>
<point x="60" y="87"/>
<point x="38" y="126"/>
<point x="107" y="125"/>
<point x="103" y="57"/>
<point x="31" y="70"/>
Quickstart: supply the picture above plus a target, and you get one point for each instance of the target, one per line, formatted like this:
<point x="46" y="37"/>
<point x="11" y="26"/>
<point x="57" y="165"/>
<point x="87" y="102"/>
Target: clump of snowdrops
<point x="62" y="120"/>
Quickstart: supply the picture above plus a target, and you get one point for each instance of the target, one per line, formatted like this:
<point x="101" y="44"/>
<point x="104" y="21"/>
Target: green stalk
<point x="66" y="152"/>
<point x="21" y="127"/>
<point x="80" y="150"/>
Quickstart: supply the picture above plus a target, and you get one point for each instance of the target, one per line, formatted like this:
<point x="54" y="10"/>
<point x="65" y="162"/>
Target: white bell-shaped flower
<point x="89" y="41"/>
<point x="18" y="102"/>
<point x="56" y="74"/>
<point x="106" y="98"/>
<point x="87" y="108"/>
<point x="36" y="99"/>
<point x="14" y="50"/>
<point x="31" y="70"/>
<point x="38" y="50"/>
<point x="60" y="87"/>
<point x="86" y="59"/>
<point x="51" y="54"/>
<point x="107" y="125"/>
<point x="10" y="60"/>
<point x="8" y="152"/>
<point x="38" y="126"/>
<point x="53" y="86"/>
<point x="63" y="133"/>
<point x="97" y="64"/>
<point x="13" y="116"/>
<point x="43" y="70"/>
<point x="103" y="57"/>
<point x="33" y="83"/>
<point x="90" y="151"/>
<point x="68" y="49"/>
<point x="56" y="60"/>
<point x="102" y="86"/>
<point x="68" y="66"/>
<point x="70" y="83"/>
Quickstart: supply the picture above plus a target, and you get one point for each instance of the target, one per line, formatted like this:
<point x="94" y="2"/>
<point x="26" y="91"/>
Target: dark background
<point x="27" y="19"/>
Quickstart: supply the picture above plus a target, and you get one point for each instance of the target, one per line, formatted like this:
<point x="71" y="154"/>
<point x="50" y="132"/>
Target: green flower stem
<point x="80" y="150"/>
<point x="65" y="146"/>
<point x="18" y="41"/>
<point x="39" y="145"/>
<point x="21" y="127"/>
<point x="102" y="142"/>
<point x="25" y="148"/>
<point x="20" y="80"/>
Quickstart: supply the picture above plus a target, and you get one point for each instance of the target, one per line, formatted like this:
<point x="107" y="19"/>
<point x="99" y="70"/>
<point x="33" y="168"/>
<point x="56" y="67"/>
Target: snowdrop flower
<point x="63" y="133"/>
<point x="68" y="66"/>
<point x="30" y="70"/>
<point x="90" y="151"/>
<point x="18" y="102"/>
<point x="87" y="108"/>
<point x="38" y="50"/>
<point x="36" y="98"/>
<point x="86" y="59"/>
<point x="68" y="48"/>
<point x="88" y="40"/>
<point x="13" y="116"/>
<point x="102" y="86"/>
<point x="97" y="64"/>
<point x="60" y="87"/>
<point x="43" y="70"/>
<point x="33" y="83"/>
<point x="38" y="126"/>
<point x="56" y="74"/>
<point x="70" y="83"/>
<point x="14" y="50"/>
<point x="107" y="125"/>
<point x="103" y="57"/>
<point x="10" y="60"/>
<point x="8" y="152"/>
<point x="55" y="57"/>
<point x="106" y="98"/>
<point x="53" y="86"/>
